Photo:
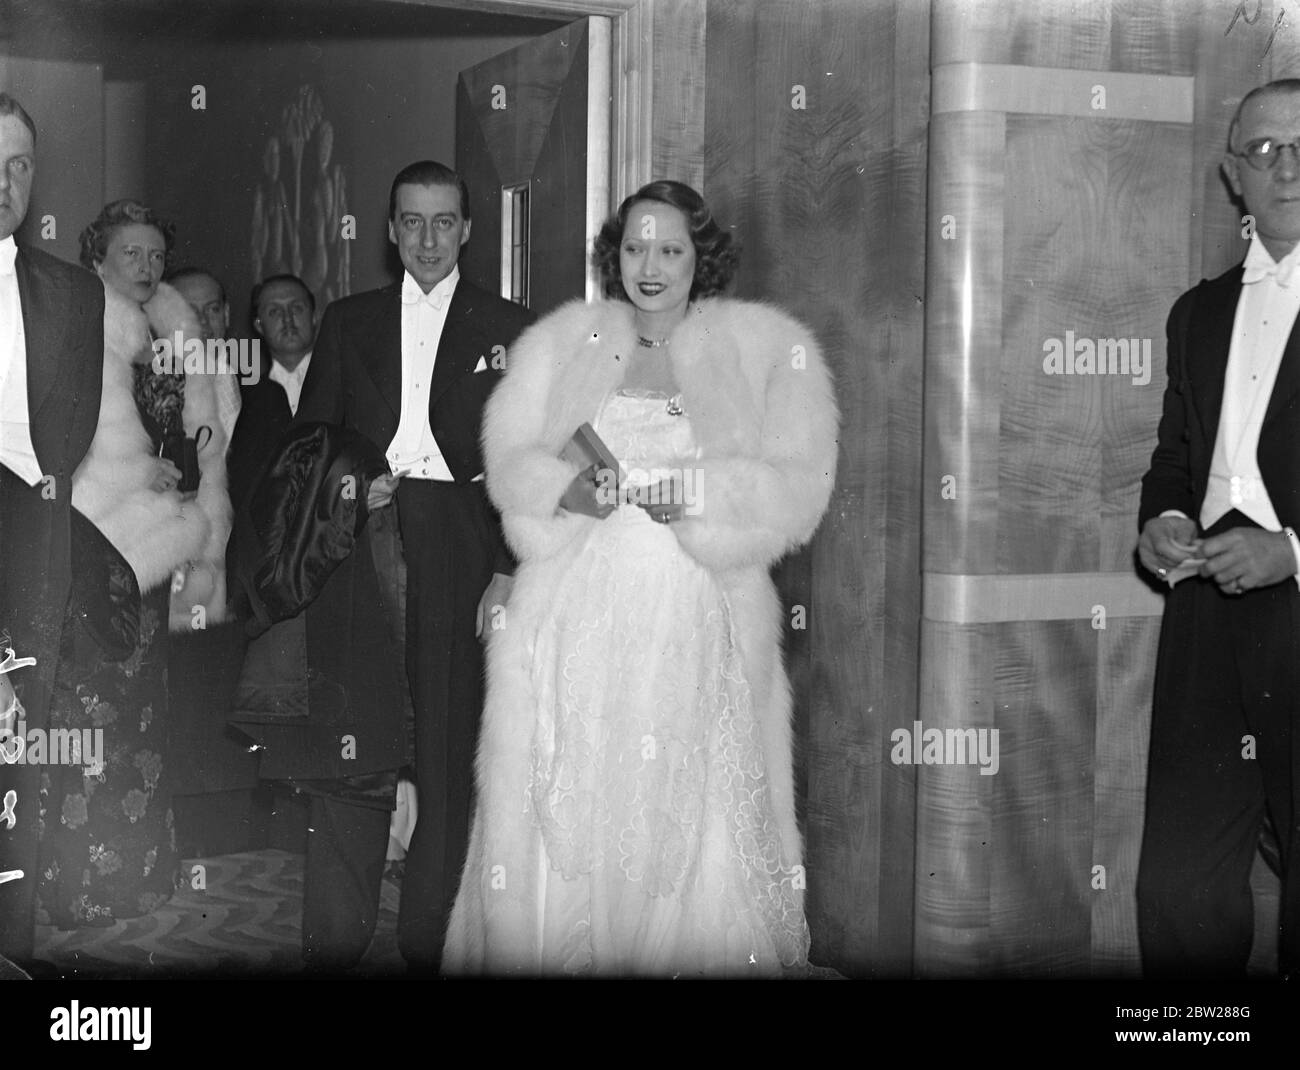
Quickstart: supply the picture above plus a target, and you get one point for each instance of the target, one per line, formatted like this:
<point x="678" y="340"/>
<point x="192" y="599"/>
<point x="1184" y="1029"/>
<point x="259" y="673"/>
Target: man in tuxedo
<point x="51" y="372"/>
<point x="1224" y="488"/>
<point x="410" y="366"/>
<point x="284" y="317"/>
<point x="219" y="801"/>
<point x="320" y="692"/>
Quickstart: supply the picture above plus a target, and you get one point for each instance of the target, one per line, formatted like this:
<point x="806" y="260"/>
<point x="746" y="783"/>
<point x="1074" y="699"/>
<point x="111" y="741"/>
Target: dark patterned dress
<point x="108" y="843"/>
<point x="161" y="401"/>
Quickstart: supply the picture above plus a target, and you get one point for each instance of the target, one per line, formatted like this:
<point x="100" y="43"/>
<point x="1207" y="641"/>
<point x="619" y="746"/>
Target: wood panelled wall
<point x="815" y="152"/>
<point x="1068" y="218"/>
<point x="1074" y="193"/>
<point x="677" y="122"/>
<point x="66" y="102"/>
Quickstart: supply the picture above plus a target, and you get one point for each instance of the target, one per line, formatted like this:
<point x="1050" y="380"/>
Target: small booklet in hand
<point x="1190" y="567"/>
<point x="586" y="448"/>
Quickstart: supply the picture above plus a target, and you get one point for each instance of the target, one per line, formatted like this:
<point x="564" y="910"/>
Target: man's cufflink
<point x="1295" y="548"/>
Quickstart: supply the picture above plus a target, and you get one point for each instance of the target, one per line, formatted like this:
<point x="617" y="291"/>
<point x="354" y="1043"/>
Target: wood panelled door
<point x="532" y="136"/>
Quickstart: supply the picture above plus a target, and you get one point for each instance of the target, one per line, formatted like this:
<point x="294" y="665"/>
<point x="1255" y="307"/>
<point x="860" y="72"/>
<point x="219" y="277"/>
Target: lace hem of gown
<point x="648" y="783"/>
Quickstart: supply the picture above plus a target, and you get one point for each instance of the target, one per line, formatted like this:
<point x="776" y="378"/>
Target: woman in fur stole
<point x="635" y="810"/>
<point x="108" y="840"/>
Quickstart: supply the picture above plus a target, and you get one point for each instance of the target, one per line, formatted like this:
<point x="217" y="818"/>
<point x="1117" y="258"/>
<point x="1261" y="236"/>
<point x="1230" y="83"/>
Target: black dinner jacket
<point x="264" y="417"/>
<point x="355" y="378"/>
<point x="1199" y="337"/>
<point x="63" y="327"/>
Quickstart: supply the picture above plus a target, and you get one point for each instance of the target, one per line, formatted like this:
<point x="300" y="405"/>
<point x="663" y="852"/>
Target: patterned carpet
<point x="247" y="921"/>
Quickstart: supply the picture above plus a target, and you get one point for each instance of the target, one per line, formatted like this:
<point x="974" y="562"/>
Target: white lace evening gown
<point x="660" y="853"/>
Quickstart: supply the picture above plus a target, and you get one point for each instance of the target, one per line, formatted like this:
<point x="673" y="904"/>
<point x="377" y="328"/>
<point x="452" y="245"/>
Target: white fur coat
<point x="156" y="532"/>
<point x="764" y="417"/>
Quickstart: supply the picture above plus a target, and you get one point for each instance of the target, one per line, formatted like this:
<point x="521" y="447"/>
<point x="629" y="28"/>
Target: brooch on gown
<point x="674" y="406"/>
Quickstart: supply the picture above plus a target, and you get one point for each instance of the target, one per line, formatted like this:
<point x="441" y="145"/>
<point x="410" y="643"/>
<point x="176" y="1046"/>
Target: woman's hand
<point x="491" y="607"/>
<point x="589" y="494"/>
<point x="664" y="502"/>
<point x="166" y="476"/>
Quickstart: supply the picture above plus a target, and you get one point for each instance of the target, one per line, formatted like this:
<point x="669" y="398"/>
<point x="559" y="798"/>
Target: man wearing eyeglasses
<point x="1222" y="499"/>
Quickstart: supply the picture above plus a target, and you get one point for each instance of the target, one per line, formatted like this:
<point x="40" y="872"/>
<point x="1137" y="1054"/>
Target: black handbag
<point x="183" y="451"/>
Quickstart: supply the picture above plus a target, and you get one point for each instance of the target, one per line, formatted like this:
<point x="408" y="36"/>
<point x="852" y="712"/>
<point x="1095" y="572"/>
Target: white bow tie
<point x="1260" y="264"/>
<point x="415" y="296"/>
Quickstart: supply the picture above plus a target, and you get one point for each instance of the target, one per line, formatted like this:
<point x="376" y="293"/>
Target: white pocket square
<point x="481" y="366"/>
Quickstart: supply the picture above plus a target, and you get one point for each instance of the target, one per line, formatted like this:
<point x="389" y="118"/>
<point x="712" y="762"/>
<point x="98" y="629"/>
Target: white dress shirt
<point x="1266" y="313"/>
<point x="291" y="380"/>
<point x="414" y="450"/>
<point x="16" y="450"/>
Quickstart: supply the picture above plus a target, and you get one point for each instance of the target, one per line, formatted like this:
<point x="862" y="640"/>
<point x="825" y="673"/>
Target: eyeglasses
<point x="1264" y="152"/>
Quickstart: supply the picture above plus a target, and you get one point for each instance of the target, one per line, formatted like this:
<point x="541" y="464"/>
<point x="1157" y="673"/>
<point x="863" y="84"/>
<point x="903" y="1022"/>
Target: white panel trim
<point x="1156" y="98"/>
<point x="957" y="599"/>
<point x="599" y="86"/>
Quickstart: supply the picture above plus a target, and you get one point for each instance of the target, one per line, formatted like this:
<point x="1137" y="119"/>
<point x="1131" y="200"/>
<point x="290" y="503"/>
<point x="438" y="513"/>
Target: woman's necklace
<point x="674" y="406"/>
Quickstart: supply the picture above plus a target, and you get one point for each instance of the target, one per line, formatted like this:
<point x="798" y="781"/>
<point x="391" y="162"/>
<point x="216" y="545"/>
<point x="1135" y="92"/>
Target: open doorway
<point x="246" y="124"/>
<point x="212" y="117"/>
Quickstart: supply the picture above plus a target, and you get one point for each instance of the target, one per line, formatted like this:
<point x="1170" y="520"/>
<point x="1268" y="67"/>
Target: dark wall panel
<point x="828" y="199"/>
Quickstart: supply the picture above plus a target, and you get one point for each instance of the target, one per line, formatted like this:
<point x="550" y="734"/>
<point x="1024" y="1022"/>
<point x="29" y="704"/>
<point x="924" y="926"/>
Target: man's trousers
<point x="449" y="543"/>
<point x="1223" y="752"/>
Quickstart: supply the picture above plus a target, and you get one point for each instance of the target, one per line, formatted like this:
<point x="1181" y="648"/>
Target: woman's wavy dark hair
<point x="95" y="238"/>
<point x="717" y="254"/>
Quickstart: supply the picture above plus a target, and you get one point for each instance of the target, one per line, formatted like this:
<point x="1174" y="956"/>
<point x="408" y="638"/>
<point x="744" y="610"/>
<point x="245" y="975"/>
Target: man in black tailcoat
<point x="1224" y="488"/>
<point x="51" y="374"/>
<point x="284" y="316"/>
<point x="410" y="366"/>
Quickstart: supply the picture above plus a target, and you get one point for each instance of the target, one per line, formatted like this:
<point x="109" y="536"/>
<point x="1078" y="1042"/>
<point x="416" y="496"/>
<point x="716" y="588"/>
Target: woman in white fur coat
<point x="108" y="844"/>
<point x="635" y="810"/>
<point x="120" y="485"/>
